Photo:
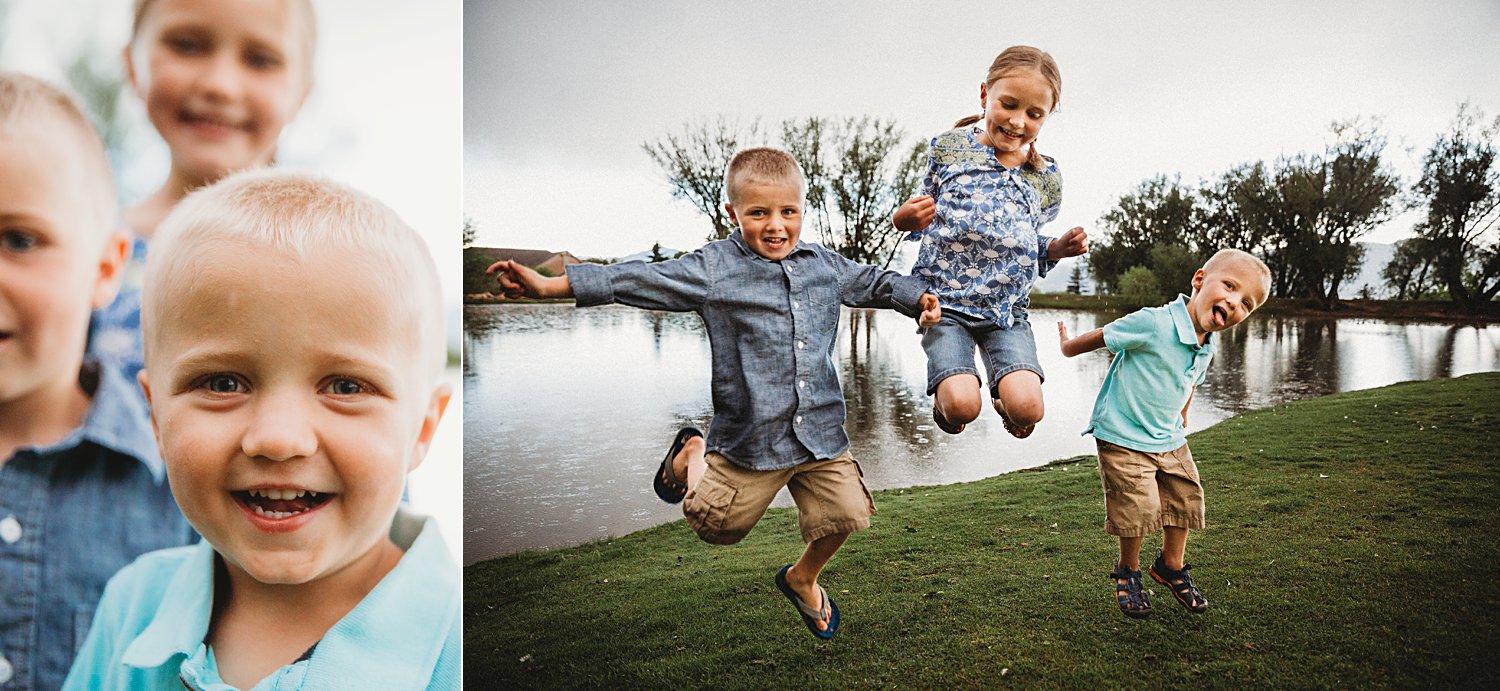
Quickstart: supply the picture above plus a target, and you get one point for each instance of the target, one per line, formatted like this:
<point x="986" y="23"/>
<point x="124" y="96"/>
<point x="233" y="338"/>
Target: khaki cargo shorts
<point x="728" y="501"/>
<point x="1144" y="491"/>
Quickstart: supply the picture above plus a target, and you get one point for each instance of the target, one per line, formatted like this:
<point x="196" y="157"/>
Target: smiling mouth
<point x="281" y="503"/>
<point x="1011" y="135"/>
<point x="1221" y="317"/>
<point x="775" y="243"/>
<point x="211" y="122"/>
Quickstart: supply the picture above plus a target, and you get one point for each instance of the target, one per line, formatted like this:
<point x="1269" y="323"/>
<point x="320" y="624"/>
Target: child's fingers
<point x="1062" y="331"/>
<point x="502" y="264"/>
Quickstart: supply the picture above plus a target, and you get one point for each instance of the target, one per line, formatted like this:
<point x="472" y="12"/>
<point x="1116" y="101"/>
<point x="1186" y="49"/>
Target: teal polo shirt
<point x="406" y="634"/>
<point x="1157" y="363"/>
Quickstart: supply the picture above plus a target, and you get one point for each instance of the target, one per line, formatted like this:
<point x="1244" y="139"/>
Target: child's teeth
<point x="281" y="494"/>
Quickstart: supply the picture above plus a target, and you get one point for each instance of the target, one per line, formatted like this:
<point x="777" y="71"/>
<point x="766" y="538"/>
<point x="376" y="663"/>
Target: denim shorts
<point x="950" y="348"/>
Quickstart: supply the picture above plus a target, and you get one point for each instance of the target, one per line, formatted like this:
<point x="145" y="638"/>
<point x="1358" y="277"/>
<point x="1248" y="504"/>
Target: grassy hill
<point x="1354" y="541"/>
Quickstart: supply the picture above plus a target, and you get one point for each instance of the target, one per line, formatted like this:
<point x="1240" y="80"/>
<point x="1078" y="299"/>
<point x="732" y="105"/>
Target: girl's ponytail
<point x="967" y="120"/>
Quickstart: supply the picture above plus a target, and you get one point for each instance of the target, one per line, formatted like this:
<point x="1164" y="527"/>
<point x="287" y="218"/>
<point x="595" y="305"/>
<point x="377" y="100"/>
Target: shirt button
<point x="799" y="419"/>
<point x="801" y="344"/>
<point x="10" y="530"/>
<point x="6" y="671"/>
<point x="802" y="383"/>
<point x="796" y="304"/>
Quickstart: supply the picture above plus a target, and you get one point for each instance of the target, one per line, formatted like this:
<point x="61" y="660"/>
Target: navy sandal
<point x="811" y="615"/>
<point x="1129" y="594"/>
<point x="1181" y="585"/>
<point x="667" y="486"/>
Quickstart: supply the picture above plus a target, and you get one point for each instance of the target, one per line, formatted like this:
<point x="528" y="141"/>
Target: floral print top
<point x="982" y="252"/>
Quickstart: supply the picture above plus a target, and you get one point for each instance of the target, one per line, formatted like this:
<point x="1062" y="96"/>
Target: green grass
<point x="1353" y="542"/>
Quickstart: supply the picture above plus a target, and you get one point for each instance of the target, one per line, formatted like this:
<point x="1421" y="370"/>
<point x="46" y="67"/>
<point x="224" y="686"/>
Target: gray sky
<point x="559" y="95"/>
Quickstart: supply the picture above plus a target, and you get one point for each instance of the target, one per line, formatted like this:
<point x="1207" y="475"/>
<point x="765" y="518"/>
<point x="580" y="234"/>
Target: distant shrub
<point x="1138" y="285"/>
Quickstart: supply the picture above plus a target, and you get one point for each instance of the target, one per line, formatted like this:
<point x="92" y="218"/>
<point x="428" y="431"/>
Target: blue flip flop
<point x="811" y="615"/>
<point x="667" y="486"/>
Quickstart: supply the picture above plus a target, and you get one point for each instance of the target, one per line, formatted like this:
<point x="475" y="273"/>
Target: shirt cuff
<point x="1043" y="264"/>
<point x="907" y="294"/>
<point x="590" y="283"/>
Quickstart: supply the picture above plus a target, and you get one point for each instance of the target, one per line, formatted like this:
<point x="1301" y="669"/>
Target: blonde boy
<point x="293" y="353"/>
<point x="82" y="489"/>
<point x="1140" y="419"/>
<point x="770" y="305"/>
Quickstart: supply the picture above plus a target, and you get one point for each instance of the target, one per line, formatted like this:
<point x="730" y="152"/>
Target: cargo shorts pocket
<point x="708" y="511"/>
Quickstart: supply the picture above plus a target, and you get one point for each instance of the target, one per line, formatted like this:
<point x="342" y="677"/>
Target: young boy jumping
<point x="770" y="305"/>
<point x="1140" y="419"/>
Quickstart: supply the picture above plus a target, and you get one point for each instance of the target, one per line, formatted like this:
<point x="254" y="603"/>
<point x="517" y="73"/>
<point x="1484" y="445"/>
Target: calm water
<point x="568" y="411"/>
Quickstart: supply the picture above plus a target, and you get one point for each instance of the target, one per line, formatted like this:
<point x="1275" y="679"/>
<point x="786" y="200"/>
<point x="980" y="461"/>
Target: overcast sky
<point x="559" y="95"/>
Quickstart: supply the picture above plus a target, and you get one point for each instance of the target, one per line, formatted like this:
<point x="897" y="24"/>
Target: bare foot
<point x="810" y="593"/>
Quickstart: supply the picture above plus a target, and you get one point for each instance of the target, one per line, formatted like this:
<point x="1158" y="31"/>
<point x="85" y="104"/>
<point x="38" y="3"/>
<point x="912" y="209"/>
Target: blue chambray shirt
<point x="71" y="514"/>
<point x="1157" y="363"/>
<point x="983" y="250"/>
<point x="405" y="634"/>
<point x="771" y="327"/>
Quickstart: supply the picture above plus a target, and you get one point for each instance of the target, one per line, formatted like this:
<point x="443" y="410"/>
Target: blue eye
<point x="17" y="241"/>
<point x="223" y="383"/>
<point x="344" y="386"/>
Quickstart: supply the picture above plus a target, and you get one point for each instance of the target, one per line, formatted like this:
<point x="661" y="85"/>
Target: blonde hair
<point x="763" y="165"/>
<point x="296" y="215"/>
<point x="301" y="11"/>
<point x="29" y="100"/>
<point x="1227" y="255"/>
<point x="1016" y="59"/>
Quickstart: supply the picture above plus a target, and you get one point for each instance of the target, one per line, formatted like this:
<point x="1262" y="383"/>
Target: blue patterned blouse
<point x="981" y="253"/>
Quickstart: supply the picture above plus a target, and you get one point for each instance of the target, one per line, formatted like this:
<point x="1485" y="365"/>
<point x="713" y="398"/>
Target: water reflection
<point x="567" y="411"/>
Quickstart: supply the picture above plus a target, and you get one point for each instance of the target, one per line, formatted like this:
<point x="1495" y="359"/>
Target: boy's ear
<point x="732" y="218"/>
<point x="1198" y="279"/>
<point x="130" y="77"/>
<point x="146" y="387"/>
<point x="430" y="418"/>
<point x="111" y="268"/>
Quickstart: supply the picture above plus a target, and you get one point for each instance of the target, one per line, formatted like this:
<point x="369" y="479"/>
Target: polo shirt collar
<point x="117" y="419"/>
<point x="421" y="594"/>
<point x="1184" y="323"/>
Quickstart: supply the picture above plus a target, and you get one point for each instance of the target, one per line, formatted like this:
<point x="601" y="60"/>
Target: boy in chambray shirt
<point x="1140" y="419"/>
<point x="770" y="305"/>
<point x="82" y="489"/>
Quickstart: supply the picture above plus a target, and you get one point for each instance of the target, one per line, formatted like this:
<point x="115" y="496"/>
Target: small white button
<point x="801" y="344"/>
<point x="10" y="530"/>
<point x="802" y="383"/>
<point x="799" y="419"/>
<point x="6" y="671"/>
<point x="796" y="304"/>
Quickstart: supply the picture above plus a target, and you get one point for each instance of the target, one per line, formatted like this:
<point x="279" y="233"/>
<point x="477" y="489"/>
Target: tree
<point x="1173" y="266"/>
<point x="469" y="231"/>
<point x="1075" y="279"/>
<point x="656" y="254"/>
<point x="1158" y="212"/>
<point x="1460" y="186"/>
<point x="857" y="174"/>
<point x="1411" y="272"/>
<point x="1138" y="285"/>
<point x="694" y="162"/>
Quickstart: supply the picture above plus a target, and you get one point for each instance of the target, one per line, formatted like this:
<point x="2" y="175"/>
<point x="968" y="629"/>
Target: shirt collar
<point x="117" y="419"/>
<point x="1184" y="323"/>
<point x="397" y="631"/>
<point x="738" y="238"/>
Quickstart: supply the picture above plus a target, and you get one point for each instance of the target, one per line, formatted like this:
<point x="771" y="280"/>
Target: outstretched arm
<point x="517" y="281"/>
<point x="1084" y="343"/>
<point x="915" y="214"/>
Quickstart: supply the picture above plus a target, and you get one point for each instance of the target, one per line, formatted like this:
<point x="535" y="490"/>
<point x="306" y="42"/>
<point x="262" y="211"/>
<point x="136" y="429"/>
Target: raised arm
<point x="1070" y="244"/>
<point x="517" y="281"/>
<point x="916" y="214"/>
<point x="1084" y="343"/>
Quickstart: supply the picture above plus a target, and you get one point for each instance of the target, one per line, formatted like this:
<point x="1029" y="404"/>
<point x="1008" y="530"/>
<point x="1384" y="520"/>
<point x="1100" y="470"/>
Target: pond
<point x="567" y="412"/>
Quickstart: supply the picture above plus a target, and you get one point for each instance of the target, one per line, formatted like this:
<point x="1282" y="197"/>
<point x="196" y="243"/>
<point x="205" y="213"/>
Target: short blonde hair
<point x="1228" y="255"/>
<point x="301" y="12"/>
<point x="295" y="214"/>
<point x="33" y="102"/>
<point x="763" y="165"/>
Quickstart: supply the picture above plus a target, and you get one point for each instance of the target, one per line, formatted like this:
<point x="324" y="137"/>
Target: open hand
<point x="1062" y="333"/>
<point x="915" y="214"/>
<point x="1070" y="244"/>
<point x="931" y="311"/>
